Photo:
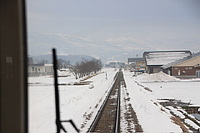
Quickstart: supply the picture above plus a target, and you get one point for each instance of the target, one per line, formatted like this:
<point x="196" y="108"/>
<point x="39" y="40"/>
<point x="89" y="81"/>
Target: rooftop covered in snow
<point x="164" y="57"/>
<point x="180" y="60"/>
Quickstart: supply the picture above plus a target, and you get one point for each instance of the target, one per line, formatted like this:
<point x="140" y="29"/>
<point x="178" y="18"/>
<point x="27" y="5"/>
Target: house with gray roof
<point x="154" y="60"/>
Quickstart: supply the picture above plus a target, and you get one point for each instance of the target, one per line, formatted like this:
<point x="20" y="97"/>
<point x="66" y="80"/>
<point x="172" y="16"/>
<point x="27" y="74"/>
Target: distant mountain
<point x="41" y="44"/>
<point x="107" y="50"/>
<point x="71" y="58"/>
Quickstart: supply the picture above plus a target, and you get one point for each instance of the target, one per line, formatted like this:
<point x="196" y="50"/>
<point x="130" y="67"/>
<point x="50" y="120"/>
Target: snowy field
<point x="166" y="87"/>
<point x="152" y="116"/>
<point x="77" y="102"/>
<point x="80" y="103"/>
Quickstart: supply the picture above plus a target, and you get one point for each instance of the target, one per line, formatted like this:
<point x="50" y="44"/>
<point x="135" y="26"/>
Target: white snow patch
<point x="156" y="77"/>
<point x="192" y="124"/>
<point x="176" y="112"/>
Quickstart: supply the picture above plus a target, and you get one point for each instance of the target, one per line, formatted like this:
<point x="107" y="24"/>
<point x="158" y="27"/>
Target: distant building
<point x="154" y="60"/>
<point x="115" y="64"/>
<point x="135" y="60"/>
<point x="188" y="67"/>
<point x="40" y="69"/>
<point x="136" y="64"/>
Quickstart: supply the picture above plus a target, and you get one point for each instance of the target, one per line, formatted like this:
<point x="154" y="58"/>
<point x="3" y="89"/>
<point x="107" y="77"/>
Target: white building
<point x="40" y="69"/>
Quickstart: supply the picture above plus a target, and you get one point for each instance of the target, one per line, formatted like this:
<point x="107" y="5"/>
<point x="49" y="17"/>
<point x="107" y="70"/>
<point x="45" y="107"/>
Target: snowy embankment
<point x="150" y="114"/>
<point x="77" y="102"/>
<point x="163" y="86"/>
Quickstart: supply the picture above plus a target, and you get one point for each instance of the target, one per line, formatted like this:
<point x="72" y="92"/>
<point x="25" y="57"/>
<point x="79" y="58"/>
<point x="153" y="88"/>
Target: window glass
<point x="155" y="43"/>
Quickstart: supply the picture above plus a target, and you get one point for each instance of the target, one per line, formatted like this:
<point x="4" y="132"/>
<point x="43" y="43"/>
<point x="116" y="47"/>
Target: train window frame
<point x="13" y="67"/>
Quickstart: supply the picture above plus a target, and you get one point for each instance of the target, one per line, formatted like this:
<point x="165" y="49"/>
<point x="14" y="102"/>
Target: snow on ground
<point x="176" y="112"/>
<point x="184" y="90"/>
<point x="191" y="123"/>
<point x="188" y="92"/>
<point x="156" y="77"/>
<point x="80" y="103"/>
<point x="150" y="116"/>
<point x="167" y="87"/>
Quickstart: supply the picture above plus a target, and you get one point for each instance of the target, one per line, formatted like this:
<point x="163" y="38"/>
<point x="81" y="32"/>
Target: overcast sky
<point x="104" y="19"/>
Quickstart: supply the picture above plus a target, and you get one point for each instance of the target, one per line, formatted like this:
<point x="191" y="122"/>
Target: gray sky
<point x="104" y="19"/>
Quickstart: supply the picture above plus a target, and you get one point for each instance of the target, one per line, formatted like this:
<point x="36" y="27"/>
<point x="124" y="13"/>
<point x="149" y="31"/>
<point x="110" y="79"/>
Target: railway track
<point x="108" y="117"/>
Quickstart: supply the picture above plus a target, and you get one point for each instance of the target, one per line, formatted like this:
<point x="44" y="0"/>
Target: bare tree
<point x="43" y="61"/>
<point x="63" y="64"/>
<point x="86" y="67"/>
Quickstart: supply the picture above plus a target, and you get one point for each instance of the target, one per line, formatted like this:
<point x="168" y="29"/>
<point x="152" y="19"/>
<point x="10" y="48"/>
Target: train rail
<point x="108" y="117"/>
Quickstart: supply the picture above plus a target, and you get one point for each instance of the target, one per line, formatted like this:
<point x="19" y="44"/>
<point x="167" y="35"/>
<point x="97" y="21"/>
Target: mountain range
<point x="72" y="59"/>
<point x="113" y="49"/>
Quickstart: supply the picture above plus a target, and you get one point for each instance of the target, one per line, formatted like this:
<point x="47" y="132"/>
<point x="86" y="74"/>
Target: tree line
<point x="82" y="68"/>
<point x="79" y="69"/>
<point x="85" y="68"/>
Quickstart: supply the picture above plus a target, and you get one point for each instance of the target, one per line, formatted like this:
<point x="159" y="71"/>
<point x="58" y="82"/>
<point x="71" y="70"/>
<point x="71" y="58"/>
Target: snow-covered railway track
<point x="108" y="117"/>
